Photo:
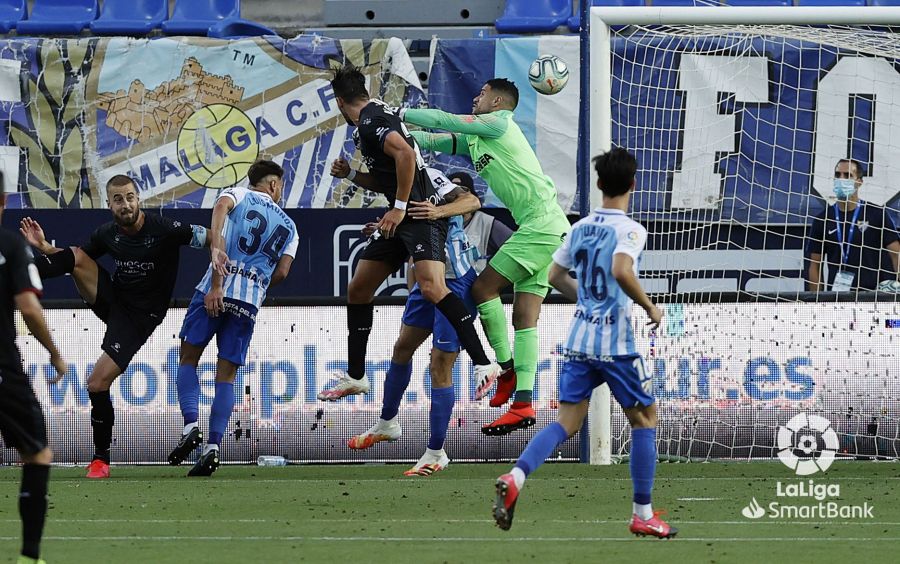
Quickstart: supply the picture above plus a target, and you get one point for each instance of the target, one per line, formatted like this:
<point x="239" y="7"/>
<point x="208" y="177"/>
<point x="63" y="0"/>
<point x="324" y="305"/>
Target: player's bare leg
<point x="388" y="428"/>
<point x="85" y="275"/>
<point x="520" y="369"/>
<point x="360" y="310"/>
<point x="486" y="293"/>
<point x="435" y="458"/>
<point x="188" y="385"/>
<point x="103" y="416"/>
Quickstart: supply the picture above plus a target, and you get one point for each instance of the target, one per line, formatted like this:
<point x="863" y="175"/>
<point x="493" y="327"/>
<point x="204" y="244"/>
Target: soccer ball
<point x="548" y="74"/>
<point x="889" y="286"/>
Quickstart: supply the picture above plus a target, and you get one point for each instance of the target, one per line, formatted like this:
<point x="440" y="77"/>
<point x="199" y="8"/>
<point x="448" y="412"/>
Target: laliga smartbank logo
<point x="807" y="445"/>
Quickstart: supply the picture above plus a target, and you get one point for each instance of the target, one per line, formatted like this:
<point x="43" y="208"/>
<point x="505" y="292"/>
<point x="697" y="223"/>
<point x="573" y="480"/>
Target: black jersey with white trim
<point x="376" y="121"/>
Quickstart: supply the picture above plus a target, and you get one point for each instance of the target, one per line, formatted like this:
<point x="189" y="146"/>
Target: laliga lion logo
<point x="804" y="426"/>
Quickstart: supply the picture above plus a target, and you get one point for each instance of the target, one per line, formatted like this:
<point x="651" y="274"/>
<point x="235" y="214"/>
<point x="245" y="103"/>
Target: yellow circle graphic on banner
<point x="217" y="145"/>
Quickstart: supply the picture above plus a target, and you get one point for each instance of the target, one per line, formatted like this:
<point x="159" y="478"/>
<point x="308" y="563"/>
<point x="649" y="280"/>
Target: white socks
<point x="188" y="427"/>
<point x="644" y="512"/>
<point x="434" y="453"/>
<point x="209" y="447"/>
<point x="518" y="477"/>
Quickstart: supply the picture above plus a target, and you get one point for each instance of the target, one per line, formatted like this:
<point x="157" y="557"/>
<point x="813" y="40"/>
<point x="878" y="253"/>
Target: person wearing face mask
<point x="858" y="239"/>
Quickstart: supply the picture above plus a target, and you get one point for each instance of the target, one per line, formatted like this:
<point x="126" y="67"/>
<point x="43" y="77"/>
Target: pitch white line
<point x="700" y="498"/>
<point x="438" y="520"/>
<point x="152" y="520"/>
<point x="451" y="539"/>
<point x="445" y="477"/>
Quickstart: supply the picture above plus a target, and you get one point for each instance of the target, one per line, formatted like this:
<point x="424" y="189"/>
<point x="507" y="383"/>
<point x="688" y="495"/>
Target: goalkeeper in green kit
<point x="503" y="157"/>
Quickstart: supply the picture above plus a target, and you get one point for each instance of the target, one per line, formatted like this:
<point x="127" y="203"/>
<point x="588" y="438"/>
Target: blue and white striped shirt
<point x="461" y="254"/>
<point x="257" y="234"/>
<point x="602" y="323"/>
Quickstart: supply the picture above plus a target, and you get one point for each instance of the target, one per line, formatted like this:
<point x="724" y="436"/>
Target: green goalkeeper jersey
<point x="500" y="153"/>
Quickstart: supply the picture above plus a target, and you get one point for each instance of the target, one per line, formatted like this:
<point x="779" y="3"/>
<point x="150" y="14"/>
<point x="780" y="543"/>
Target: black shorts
<point x="126" y="329"/>
<point x="21" y="418"/>
<point x="421" y="240"/>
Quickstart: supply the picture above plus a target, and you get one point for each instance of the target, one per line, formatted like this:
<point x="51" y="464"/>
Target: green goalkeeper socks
<point x="526" y="356"/>
<point x="493" y="319"/>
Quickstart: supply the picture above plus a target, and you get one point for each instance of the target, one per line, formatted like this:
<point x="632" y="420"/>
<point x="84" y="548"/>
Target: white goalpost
<point x="738" y="116"/>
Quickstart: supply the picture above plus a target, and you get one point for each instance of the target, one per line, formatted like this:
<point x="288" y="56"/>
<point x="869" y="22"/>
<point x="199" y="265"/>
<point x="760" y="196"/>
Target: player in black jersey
<point x="21" y="419"/>
<point x="132" y="301"/>
<point x="397" y="170"/>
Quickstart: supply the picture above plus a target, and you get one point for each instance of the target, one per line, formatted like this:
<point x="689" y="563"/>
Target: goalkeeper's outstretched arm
<point x="489" y="126"/>
<point x="449" y="143"/>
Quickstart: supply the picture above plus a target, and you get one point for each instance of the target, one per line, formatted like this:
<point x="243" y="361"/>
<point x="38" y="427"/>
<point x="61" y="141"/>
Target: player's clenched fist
<point x="340" y="168"/>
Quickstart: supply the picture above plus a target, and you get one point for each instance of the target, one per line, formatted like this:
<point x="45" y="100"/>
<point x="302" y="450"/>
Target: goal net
<point x="739" y="118"/>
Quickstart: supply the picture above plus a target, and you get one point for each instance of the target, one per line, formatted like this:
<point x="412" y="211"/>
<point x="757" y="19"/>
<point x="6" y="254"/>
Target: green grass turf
<point x="349" y="514"/>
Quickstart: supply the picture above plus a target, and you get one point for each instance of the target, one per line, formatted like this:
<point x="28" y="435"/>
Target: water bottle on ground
<point x="271" y="461"/>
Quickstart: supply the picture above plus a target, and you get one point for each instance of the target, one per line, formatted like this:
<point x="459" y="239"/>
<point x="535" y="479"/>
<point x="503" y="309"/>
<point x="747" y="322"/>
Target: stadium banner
<point x="550" y="123"/>
<point x="184" y="117"/>
<point x="770" y="158"/>
<point x="725" y="376"/>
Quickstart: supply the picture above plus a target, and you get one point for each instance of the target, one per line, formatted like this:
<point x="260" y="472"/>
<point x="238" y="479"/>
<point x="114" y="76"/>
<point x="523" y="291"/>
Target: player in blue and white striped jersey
<point x="420" y="319"/>
<point x="597" y="267"/>
<point x="253" y="247"/>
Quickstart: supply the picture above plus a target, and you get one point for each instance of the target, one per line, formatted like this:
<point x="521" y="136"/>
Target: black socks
<point x="454" y="309"/>
<point x="359" y="325"/>
<point x="102" y="419"/>
<point x="33" y="507"/>
<point x="57" y="264"/>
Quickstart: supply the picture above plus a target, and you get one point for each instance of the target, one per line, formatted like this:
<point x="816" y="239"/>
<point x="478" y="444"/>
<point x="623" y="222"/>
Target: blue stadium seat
<point x="831" y="2"/>
<point x="59" y="16"/>
<point x="681" y="2"/>
<point x="759" y="2"/>
<point x="884" y="2"/>
<point x="236" y="28"/>
<point x="130" y="17"/>
<point x="534" y="16"/>
<point x="11" y="13"/>
<point x="575" y="21"/>
<point x="195" y="17"/>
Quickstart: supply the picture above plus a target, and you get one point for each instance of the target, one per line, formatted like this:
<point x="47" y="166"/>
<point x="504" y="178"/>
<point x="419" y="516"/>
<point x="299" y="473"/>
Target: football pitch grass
<point x="371" y="513"/>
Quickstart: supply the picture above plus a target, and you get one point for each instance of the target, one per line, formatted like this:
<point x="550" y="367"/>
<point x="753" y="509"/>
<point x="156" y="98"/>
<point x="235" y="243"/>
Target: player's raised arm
<point x="340" y="168"/>
<point x="457" y="202"/>
<point x="490" y="126"/>
<point x="34" y="234"/>
<point x="448" y="143"/>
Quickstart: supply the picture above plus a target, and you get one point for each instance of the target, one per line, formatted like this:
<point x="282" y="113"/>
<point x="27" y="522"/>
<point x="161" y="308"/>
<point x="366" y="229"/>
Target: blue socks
<point x="541" y="447"/>
<point x="222" y="406"/>
<point x="188" y="385"/>
<point x="643" y="463"/>
<point x="442" y="400"/>
<point x="395" y="384"/>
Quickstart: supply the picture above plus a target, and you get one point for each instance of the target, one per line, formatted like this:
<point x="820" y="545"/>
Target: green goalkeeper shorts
<point x="524" y="259"/>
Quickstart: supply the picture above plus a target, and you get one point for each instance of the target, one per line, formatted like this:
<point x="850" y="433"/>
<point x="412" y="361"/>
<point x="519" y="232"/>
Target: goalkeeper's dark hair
<point x="615" y="171"/>
<point x="860" y="170"/>
<point x="349" y="84"/>
<point x="261" y="169"/>
<point x="505" y="88"/>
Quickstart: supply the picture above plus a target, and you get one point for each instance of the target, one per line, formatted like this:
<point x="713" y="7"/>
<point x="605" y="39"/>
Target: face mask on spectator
<point x="844" y="188"/>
